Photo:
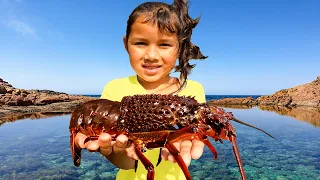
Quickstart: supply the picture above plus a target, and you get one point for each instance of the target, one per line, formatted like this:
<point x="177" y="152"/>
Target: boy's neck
<point x="164" y="86"/>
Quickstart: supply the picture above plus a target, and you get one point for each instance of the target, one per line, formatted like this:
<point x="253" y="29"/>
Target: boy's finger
<point x="92" y="146"/>
<point x="197" y="149"/>
<point x="79" y="140"/>
<point x="178" y="146"/>
<point x="164" y="154"/>
<point x="121" y="144"/>
<point x="185" y="151"/>
<point x="131" y="153"/>
<point x="104" y="140"/>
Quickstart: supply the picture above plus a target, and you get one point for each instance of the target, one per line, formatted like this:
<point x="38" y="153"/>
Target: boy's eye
<point x="139" y="43"/>
<point x="164" y="44"/>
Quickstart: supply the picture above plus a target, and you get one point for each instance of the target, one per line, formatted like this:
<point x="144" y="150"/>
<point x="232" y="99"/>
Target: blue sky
<point x="254" y="47"/>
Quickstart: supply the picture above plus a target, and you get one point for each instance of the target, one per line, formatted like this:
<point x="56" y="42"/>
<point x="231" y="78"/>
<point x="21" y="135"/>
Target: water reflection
<point x="38" y="115"/>
<point x="306" y="114"/>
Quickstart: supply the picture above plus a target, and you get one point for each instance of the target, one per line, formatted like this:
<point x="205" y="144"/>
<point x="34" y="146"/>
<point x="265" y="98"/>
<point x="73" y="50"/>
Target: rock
<point x="4" y="83"/>
<point x="13" y="113"/>
<point x="3" y="90"/>
<point x="46" y="92"/>
<point x="15" y="101"/>
<point x="249" y="101"/>
<point x="9" y="90"/>
<point x="20" y="97"/>
<point x="303" y="95"/>
<point x="51" y="98"/>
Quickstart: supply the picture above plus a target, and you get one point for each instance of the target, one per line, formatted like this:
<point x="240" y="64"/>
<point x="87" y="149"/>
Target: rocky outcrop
<point x="307" y="95"/>
<point x="249" y="101"/>
<point x="303" y="95"/>
<point x="20" y="101"/>
<point x="12" y="96"/>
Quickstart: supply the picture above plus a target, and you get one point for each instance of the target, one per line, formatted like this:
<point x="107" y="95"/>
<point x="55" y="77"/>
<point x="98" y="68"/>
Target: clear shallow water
<point x="39" y="149"/>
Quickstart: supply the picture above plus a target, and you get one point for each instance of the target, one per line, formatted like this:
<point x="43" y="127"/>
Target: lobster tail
<point x="75" y="150"/>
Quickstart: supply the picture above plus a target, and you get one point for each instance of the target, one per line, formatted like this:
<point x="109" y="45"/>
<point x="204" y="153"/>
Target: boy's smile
<point x="151" y="69"/>
<point x="152" y="53"/>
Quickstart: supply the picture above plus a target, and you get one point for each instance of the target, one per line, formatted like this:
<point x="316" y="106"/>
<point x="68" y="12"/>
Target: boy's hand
<point x="188" y="149"/>
<point x="105" y="146"/>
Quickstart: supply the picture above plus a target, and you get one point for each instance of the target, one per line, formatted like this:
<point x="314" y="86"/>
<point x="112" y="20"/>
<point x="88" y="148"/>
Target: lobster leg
<point x="203" y="138"/>
<point x="191" y="129"/>
<point x="174" y="151"/>
<point x="237" y="155"/>
<point x="147" y="164"/>
<point x="182" y="133"/>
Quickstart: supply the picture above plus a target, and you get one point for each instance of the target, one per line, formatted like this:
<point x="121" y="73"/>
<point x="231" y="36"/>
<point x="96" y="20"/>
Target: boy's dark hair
<point x="172" y="19"/>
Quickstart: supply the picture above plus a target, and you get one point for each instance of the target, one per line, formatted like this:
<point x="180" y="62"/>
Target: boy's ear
<point x="125" y="43"/>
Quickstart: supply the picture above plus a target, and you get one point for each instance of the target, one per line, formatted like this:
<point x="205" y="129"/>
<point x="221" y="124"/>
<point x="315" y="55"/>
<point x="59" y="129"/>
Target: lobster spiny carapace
<point x="154" y="121"/>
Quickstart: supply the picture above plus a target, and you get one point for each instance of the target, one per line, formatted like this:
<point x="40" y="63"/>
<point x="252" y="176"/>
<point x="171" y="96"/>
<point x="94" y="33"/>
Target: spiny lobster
<point x="155" y="121"/>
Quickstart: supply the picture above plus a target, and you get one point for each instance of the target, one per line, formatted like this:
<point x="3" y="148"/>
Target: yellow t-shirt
<point x="115" y="90"/>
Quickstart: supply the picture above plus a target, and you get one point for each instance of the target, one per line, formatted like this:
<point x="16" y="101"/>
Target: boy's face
<point x="152" y="54"/>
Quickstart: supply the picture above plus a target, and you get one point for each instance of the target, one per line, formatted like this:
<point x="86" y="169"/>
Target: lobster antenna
<point x="246" y="124"/>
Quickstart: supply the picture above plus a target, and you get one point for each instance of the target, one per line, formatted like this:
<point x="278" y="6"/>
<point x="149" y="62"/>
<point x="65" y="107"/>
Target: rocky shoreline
<point x="305" y="95"/>
<point x="301" y="102"/>
<point x="15" y="102"/>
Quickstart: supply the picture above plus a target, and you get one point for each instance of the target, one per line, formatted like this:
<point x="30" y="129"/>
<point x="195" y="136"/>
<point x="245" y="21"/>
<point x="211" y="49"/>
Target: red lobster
<point x="154" y="121"/>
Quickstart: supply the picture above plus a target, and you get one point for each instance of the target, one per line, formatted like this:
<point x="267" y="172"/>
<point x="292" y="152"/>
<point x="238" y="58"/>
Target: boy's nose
<point x="151" y="55"/>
